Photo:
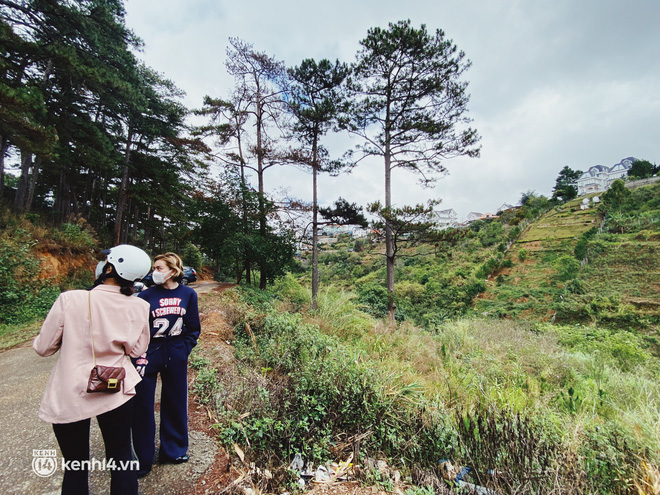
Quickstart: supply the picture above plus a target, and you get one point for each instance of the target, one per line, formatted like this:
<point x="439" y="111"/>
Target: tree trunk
<point x="4" y="144"/>
<point x="389" y="246"/>
<point x="88" y="194"/>
<point x="262" y="205"/>
<point x="104" y="201"/>
<point x="23" y="182"/>
<point x="239" y="269"/>
<point x="315" y="227"/>
<point x="33" y="183"/>
<point x="123" y="190"/>
<point x="75" y="207"/>
<point x="57" y="206"/>
<point x="147" y="229"/>
<point x="134" y="227"/>
<point x="246" y="228"/>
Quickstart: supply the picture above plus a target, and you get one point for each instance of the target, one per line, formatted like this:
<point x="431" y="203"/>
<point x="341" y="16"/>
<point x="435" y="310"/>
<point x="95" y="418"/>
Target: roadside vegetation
<point x="534" y="398"/>
<point x="525" y="348"/>
<point x="550" y="409"/>
<point x="37" y="262"/>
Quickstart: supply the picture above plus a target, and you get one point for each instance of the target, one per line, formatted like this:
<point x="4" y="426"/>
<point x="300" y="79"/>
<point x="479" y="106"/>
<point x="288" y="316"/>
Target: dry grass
<point x="648" y="481"/>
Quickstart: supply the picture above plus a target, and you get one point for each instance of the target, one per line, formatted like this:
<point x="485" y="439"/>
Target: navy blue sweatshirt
<point x="173" y="313"/>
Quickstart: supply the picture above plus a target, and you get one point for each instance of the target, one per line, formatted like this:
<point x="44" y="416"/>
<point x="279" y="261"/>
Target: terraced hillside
<point x="574" y="264"/>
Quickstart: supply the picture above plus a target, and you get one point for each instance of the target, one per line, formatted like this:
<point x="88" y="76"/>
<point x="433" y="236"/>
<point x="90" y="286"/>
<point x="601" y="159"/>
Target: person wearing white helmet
<point x="100" y="326"/>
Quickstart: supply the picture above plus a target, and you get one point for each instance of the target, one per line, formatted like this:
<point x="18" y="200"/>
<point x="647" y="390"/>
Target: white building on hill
<point x="472" y="216"/>
<point x="506" y="207"/>
<point x="599" y="177"/>
<point x="445" y="218"/>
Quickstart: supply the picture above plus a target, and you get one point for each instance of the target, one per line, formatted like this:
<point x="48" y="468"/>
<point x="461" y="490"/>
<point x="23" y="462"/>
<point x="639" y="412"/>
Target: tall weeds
<point x="531" y="409"/>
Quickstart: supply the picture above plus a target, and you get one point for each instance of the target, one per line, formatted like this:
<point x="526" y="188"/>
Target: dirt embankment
<point x="59" y="266"/>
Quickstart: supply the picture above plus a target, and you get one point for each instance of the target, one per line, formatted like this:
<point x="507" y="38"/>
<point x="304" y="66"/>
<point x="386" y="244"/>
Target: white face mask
<point x="160" y="278"/>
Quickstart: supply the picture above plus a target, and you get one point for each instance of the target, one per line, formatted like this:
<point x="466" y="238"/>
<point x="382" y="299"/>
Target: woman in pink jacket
<point x="120" y="327"/>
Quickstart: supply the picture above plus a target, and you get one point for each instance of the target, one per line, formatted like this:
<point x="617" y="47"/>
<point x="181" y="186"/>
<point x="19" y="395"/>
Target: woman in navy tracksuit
<point x="175" y="327"/>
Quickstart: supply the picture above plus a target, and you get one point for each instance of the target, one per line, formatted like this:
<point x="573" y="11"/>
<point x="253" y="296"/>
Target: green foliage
<point x="361" y="244"/>
<point x="191" y="256"/>
<point x="567" y="267"/>
<point x="196" y="361"/>
<point x="206" y="384"/>
<point x="427" y="490"/>
<point x="491" y="234"/>
<point x="11" y="335"/>
<point x="25" y="297"/>
<point x="374" y="297"/>
<point x="77" y="120"/>
<point x="533" y="205"/>
<point x="566" y="184"/>
<point x="489" y="267"/>
<point x="77" y="237"/>
<point x="641" y="169"/>
<point x="513" y="446"/>
<point x="616" y="196"/>
<point x="259" y="299"/>
<point x="289" y="288"/>
<point x="622" y="349"/>
<point x="524" y="385"/>
<point x="344" y="213"/>
<point x="329" y="389"/>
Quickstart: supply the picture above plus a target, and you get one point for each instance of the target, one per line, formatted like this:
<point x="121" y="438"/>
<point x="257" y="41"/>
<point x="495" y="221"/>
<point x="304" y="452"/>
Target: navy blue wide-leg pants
<point x="170" y="359"/>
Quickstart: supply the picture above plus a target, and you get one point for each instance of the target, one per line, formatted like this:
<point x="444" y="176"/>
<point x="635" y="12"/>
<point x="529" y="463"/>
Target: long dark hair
<point x="126" y="285"/>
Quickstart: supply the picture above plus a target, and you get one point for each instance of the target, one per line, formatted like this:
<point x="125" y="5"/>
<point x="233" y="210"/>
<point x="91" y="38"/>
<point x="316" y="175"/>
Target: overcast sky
<point x="552" y="83"/>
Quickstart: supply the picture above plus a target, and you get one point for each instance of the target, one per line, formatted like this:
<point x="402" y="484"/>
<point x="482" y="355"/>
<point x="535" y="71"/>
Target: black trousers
<point x="115" y="427"/>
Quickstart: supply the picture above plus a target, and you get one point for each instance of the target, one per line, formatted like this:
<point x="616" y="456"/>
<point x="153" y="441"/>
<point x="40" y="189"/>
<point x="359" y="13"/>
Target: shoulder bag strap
<point x="89" y="312"/>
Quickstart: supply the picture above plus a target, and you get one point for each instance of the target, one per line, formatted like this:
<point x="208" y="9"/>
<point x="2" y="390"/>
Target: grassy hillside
<point x="596" y="265"/>
<point x="549" y="378"/>
<point x="37" y="261"/>
<point x="585" y="266"/>
<point x="550" y="408"/>
<point x="525" y="349"/>
<point x="532" y="284"/>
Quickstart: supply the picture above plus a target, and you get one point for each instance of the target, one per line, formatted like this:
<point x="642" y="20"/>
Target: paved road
<point x="23" y="377"/>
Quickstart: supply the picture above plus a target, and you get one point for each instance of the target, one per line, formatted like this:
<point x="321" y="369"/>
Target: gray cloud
<point x="553" y="83"/>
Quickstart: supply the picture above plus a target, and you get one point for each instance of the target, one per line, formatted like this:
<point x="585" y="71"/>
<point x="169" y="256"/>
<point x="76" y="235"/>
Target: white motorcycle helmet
<point x="99" y="269"/>
<point x="130" y="262"/>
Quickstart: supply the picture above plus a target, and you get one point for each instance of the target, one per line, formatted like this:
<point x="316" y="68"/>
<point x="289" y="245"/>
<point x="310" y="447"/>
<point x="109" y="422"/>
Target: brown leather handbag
<point x="103" y="378"/>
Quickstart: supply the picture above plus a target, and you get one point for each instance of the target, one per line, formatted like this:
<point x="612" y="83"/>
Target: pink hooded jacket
<point x="121" y="329"/>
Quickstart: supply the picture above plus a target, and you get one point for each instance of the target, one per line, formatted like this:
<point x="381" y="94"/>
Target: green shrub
<point x="191" y="256"/>
<point x="506" y="448"/>
<point x="329" y="390"/>
<point x="488" y="267"/>
<point x="567" y="267"/>
<point x="374" y="297"/>
<point x="206" y="385"/>
<point x="25" y="297"/>
<point x="77" y="237"/>
<point x="360" y="244"/>
<point x="288" y="287"/>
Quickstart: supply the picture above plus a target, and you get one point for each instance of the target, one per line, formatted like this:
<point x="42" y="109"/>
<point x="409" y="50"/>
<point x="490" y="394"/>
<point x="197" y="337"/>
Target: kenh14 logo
<point x="44" y="462"/>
